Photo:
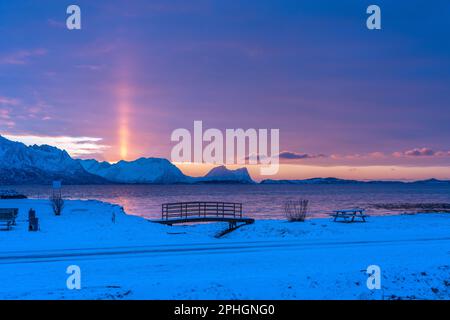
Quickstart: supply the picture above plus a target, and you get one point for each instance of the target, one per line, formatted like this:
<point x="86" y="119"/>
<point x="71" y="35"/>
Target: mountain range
<point x="140" y="171"/>
<point x="21" y="164"/>
<point x="345" y="181"/>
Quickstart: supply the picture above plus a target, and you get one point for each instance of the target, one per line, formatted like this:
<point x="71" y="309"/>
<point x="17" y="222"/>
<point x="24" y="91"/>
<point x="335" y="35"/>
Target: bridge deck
<point x="206" y="211"/>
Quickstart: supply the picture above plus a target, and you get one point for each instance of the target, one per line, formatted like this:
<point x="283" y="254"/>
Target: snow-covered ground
<point x="272" y="259"/>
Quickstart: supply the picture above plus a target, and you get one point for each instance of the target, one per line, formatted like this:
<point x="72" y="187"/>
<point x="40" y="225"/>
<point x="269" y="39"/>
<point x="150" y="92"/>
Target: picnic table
<point x="350" y="215"/>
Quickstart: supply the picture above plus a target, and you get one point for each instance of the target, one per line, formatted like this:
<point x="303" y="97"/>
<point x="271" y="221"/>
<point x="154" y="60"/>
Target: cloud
<point x="90" y="67"/>
<point x="372" y="156"/>
<point x="420" y="152"/>
<point x="12" y="108"/>
<point x="286" y="155"/>
<point x="377" y="154"/>
<point x="442" y="153"/>
<point x="56" y="23"/>
<point x="299" y="156"/>
<point x="75" y="146"/>
<point x="6" y="101"/>
<point x="5" y="111"/>
<point x="358" y="156"/>
<point x="235" y="47"/>
<point x="5" y="119"/>
<point x="417" y="152"/>
<point x="21" y="57"/>
<point x="157" y="7"/>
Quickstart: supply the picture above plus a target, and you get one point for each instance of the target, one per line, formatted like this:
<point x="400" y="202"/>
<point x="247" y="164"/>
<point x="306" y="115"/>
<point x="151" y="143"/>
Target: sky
<point x="349" y="102"/>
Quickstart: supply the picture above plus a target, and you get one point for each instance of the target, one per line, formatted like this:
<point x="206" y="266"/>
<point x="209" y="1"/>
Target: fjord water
<point x="259" y="201"/>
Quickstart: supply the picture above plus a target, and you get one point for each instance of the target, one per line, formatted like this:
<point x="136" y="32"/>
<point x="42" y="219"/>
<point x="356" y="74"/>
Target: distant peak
<point x="223" y="174"/>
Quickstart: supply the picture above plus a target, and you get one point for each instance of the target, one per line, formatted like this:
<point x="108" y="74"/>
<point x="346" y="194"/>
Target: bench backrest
<point x="8" y="213"/>
<point x="7" y="216"/>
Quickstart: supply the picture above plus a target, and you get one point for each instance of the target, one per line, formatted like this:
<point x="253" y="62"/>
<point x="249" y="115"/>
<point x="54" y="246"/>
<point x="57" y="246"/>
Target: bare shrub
<point x="57" y="203"/>
<point x="295" y="211"/>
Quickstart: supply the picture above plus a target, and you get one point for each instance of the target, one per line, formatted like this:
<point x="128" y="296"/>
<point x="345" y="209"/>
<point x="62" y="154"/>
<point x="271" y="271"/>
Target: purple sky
<point x="340" y="94"/>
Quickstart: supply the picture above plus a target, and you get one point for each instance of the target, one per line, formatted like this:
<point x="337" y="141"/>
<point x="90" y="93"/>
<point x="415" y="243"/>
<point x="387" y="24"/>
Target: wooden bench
<point x="8" y="217"/>
<point x="350" y="215"/>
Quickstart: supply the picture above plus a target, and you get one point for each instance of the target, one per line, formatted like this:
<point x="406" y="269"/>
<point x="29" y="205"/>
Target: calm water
<point x="260" y="201"/>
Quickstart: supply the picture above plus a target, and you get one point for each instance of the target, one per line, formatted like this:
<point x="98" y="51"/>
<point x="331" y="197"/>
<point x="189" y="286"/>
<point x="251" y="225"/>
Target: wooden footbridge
<point x="207" y="211"/>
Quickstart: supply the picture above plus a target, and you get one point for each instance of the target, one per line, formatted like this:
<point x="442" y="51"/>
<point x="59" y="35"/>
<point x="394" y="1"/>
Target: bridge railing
<point x="205" y="209"/>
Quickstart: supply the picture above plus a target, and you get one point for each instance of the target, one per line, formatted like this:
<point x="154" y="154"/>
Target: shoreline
<point x="261" y="202"/>
<point x="99" y="215"/>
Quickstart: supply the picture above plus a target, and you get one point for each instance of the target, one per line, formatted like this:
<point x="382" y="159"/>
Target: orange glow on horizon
<point x="297" y="171"/>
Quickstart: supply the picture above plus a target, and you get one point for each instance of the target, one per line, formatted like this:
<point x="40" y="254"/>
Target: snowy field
<point x="271" y="259"/>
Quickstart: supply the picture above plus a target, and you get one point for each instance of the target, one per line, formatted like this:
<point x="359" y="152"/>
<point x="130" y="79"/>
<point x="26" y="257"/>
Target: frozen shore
<point x="271" y="259"/>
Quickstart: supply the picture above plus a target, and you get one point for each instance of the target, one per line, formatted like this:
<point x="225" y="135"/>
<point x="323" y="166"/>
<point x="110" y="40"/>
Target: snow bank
<point x="82" y="224"/>
<point x="132" y="258"/>
<point x="95" y="223"/>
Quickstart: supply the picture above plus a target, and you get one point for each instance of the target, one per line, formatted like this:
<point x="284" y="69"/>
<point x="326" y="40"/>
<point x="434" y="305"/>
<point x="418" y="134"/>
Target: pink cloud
<point x="421" y="152"/>
<point x="371" y="155"/>
<point x="21" y="57"/>
<point x="377" y="154"/>
<point x="288" y="155"/>
<point x="12" y="110"/>
<point x="8" y="101"/>
<point x="56" y="24"/>
<point x="416" y="152"/>
<point x="5" y="119"/>
<point x="91" y="67"/>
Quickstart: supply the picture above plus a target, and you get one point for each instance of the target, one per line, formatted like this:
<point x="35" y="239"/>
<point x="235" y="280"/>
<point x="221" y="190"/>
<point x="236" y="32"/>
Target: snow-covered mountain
<point x="143" y="170"/>
<point x="223" y="175"/>
<point x="160" y="171"/>
<point x="20" y="164"/>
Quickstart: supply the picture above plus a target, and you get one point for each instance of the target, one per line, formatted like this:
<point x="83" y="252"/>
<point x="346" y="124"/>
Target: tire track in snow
<point x="144" y="251"/>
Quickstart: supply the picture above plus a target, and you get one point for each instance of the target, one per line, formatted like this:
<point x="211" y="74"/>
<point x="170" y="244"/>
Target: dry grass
<point x="296" y="211"/>
<point x="57" y="203"/>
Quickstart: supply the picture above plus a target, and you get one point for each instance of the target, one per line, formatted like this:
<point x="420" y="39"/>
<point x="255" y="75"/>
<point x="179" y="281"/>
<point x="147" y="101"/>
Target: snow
<point x="160" y="171"/>
<point x="143" y="170"/>
<point x="18" y="155"/>
<point x="21" y="164"/>
<point x="39" y="164"/>
<point x="223" y="174"/>
<point x="271" y="259"/>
